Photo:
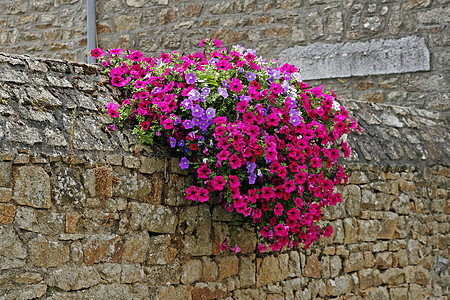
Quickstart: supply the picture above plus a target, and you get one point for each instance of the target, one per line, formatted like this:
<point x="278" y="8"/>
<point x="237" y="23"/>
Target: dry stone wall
<point x="87" y="213"/>
<point x="57" y="29"/>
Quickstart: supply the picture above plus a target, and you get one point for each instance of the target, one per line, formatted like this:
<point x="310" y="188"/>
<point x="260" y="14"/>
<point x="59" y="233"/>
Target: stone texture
<point x="403" y="55"/>
<point x="192" y="271"/>
<point x="32" y="187"/>
<point x="195" y="225"/>
<point x="29" y="278"/>
<point x="40" y="221"/>
<point x="7" y="213"/>
<point x="45" y="253"/>
<point x="102" y="248"/>
<point x="73" y="278"/>
<point x="268" y="271"/>
<point x="12" y="251"/>
<point x="154" y="218"/>
<point x="136" y="247"/>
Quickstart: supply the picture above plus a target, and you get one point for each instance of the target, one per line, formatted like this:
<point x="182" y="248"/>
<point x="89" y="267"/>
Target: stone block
<point x="29" y="278"/>
<point x="368" y="230"/>
<point x="192" y="271"/>
<point x="312" y="268"/>
<point x="71" y="222"/>
<point x="164" y="275"/>
<point x="399" y="293"/>
<point x="247" y="271"/>
<point x="351" y="231"/>
<point x="154" y="218"/>
<point x="388" y="226"/>
<point x="378" y="293"/>
<point x="73" y="278"/>
<point x="161" y="251"/>
<point x="102" y="248"/>
<point x="228" y="266"/>
<point x="408" y="54"/>
<point x="5" y="194"/>
<point x="136" y="248"/>
<point x="131" y="274"/>
<point x="383" y="260"/>
<point x="12" y="250"/>
<point x="175" y="292"/>
<point x="40" y="221"/>
<point x="127" y="22"/>
<point x="7" y="213"/>
<point x="269" y="271"/>
<point x="33" y="291"/>
<point x="393" y="276"/>
<point x="354" y="262"/>
<point x="210" y="290"/>
<point x="46" y="253"/>
<point x="195" y="225"/>
<point x="32" y="187"/>
<point x="150" y="165"/>
<point x="210" y="270"/>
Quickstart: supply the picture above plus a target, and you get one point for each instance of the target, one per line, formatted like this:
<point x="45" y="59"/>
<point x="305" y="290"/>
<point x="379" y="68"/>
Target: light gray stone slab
<point x="386" y="56"/>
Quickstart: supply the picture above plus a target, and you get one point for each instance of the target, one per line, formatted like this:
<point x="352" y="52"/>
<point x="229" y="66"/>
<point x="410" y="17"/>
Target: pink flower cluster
<point x="260" y="138"/>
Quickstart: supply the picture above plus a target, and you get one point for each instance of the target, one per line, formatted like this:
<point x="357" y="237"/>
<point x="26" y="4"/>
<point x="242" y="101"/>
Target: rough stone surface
<point x="32" y="187"/>
<point x="103" y="248"/>
<point x="154" y="218"/>
<point x="45" y="253"/>
<point x="409" y="54"/>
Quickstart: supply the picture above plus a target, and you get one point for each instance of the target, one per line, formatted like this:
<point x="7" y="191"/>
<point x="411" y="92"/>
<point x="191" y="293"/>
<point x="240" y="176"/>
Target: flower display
<point x="257" y="136"/>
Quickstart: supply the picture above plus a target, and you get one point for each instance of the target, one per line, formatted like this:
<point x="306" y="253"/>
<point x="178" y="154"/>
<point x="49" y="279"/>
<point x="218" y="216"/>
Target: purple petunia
<point x="250" y="167"/>
<point x="188" y="124"/>
<point x="191" y="78"/>
<point x="250" y="76"/>
<point x="197" y="111"/>
<point x="252" y="178"/>
<point x="223" y="92"/>
<point x="205" y="91"/>
<point x="193" y="94"/>
<point x="210" y="113"/>
<point x="184" y="164"/>
<point x="186" y="103"/>
<point x="173" y="142"/>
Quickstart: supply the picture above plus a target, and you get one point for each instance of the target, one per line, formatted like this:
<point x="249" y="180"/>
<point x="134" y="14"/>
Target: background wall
<point x="86" y="213"/>
<point x="57" y="28"/>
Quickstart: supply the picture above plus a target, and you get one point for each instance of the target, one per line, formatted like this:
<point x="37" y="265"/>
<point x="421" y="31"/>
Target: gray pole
<point x="91" y="29"/>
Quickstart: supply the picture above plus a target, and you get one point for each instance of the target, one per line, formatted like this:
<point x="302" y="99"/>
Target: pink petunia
<point x="278" y="209"/>
<point x="218" y="183"/>
<point x="235" y="162"/>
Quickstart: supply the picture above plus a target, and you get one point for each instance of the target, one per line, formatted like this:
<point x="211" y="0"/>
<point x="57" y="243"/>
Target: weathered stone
<point x="374" y="97"/>
<point x="131" y="274"/>
<point x="192" y="10"/>
<point x="175" y="292"/>
<point x="378" y="293"/>
<point x="150" y="165"/>
<point x="28" y="292"/>
<point x="368" y="230"/>
<point x="210" y="290"/>
<point x="315" y="25"/>
<point x="351" y="231"/>
<point x="32" y="187"/>
<point x="12" y="251"/>
<point x="154" y="218"/>
<point x="312" y="268"/>
<point x="40" y="221"/>
<point x="192" y="271"/>
<point x="73" y="278"/>
<point x="45" y="253"/>
<point x="195" y="225"/>
<point x="161" y="251"/>
<point x="411" y="4"/>
<point x="102" y="248"/>
<point x="369" y="278"/>
<point x="7" y="213"/>
<point x="393" y="276"/>
<point x="355" y="59"/>
<point x="29" y="278"/>
<point x="164" y="275"/>
<point x="210" y="270"/>
<point x="247" y="271"/>
<point x="352" y="198"/>
<point x="354" y="262"/>
<point x="228" y="266"/>
<point x="268" y="271"/>
<point x="399" y="293"/>
<point x="168" y="15"/>
<point x="71" y="222"/>
<point x="5" y="194"/>
<point x="136" y="248"/>
<point x="127" y="22"/>
<point x="383" y="260"/>
<point x="388" y="226"/>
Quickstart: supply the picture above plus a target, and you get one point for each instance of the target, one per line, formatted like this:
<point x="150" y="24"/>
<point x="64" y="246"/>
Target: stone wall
<point x="57" y="28"/>
<point x="88" y="213"/>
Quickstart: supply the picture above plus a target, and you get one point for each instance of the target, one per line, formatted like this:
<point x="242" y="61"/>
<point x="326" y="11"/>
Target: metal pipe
<point x="91" y="29"/>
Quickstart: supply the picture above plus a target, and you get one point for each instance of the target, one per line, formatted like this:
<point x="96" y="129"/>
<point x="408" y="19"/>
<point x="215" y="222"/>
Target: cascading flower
<point x="259" y="138"/>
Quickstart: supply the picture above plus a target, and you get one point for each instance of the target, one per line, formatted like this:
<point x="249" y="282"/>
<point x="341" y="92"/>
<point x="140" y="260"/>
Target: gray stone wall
<point x="57" y="29"/>
<point x="87" y="213"/>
